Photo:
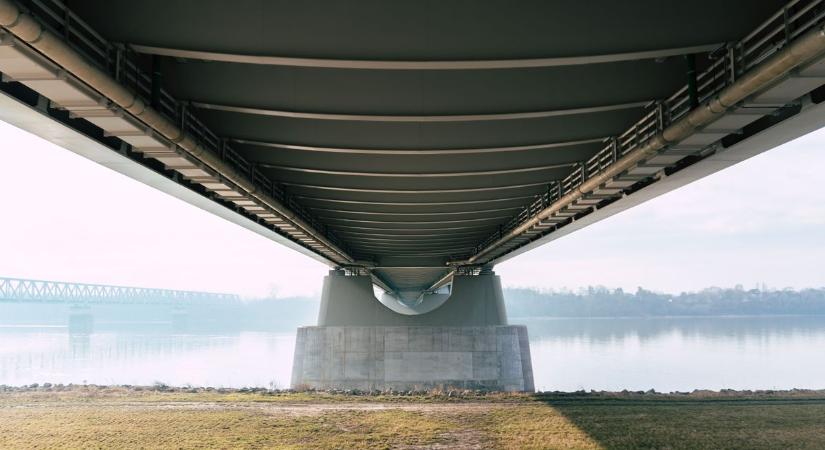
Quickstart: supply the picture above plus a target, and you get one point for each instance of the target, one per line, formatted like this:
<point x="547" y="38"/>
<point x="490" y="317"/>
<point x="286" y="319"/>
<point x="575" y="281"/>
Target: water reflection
<point x="678" y="354"/>
<point x="568" y="354"/>
<point x="602" y="330"/>
<point x="56" y="355"/>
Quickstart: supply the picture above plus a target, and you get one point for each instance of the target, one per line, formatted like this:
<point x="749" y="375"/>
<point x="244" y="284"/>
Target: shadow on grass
<point x="710" y="420"/>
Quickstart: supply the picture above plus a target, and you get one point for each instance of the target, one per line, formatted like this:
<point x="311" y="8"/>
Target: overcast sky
<point x="67" y="218"/>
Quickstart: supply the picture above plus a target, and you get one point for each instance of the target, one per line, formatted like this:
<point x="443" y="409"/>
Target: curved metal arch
<point x="475" y="234"/>
<point x="417" y="245"/>
<point x="480" y="64"/>
<point x="423" y="246"/>
<point x="418" y="252"/>
<point x="420" y="174"/>
<point x="460" y="202"/>
<point x="440" y="213"/>
<point x="445" y="239"/>
<point x="481" y="219"/>
<point x="415" y="254"/>
<point x="419" y="191"/>
<point x="335" y="228"/>
<point x="419" y="118"/>
<point x="419" y="152"/>
<point x="436" y="247"/>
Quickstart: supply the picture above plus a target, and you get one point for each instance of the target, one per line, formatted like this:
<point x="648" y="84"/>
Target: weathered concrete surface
<point x="413" y="357"/>
<point x="463" y="341"/>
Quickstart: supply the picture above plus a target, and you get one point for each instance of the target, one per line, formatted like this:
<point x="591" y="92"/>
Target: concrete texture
<point x="473" y="301"/>
<point x="413" y="357"/>
<point x="463" y="341"/>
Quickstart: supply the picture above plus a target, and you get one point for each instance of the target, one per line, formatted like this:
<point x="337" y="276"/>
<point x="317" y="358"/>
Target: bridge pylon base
<point x="464" y="343"/>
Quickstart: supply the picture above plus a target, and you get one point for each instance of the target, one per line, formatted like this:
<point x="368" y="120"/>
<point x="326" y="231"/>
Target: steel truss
<point x="17" y="290"/>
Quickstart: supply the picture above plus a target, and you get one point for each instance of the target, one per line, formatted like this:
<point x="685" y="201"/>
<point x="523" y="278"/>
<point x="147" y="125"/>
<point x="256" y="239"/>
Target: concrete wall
<point x="350" y="301"/>
<point x="413" y="357"/>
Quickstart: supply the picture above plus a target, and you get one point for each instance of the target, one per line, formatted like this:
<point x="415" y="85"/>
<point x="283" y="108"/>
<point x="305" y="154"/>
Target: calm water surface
<point x="568" y="354"/>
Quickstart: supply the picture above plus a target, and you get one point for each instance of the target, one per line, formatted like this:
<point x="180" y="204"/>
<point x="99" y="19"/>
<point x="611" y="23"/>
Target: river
<point x="665" y="354"/>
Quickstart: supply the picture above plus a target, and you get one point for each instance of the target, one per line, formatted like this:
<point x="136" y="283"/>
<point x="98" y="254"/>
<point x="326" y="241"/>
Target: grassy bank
<point x="95" y="417"/>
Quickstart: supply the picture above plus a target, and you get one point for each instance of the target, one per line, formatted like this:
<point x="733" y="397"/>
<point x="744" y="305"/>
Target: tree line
<point x="603" y="302"/>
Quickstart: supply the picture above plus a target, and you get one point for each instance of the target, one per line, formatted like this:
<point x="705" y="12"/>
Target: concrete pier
<point x="406" y="358"/>
<point x="459" y="339"/>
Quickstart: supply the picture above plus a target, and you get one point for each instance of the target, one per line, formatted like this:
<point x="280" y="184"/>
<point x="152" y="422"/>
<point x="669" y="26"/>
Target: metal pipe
<point x="441" y="281"/>
<point x="27" y="29"/>
<point x="798" y="52"/>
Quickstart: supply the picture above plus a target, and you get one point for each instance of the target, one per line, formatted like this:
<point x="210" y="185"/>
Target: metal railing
<point x="19" y="290"/>
<point x="124" y="65"/>
<point x="728" y="64"/>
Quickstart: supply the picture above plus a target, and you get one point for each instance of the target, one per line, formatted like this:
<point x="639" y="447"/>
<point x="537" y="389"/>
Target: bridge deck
<point x="406" y="137"/>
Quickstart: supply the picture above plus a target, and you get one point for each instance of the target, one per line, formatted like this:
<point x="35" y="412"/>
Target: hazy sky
<point x="67" y="218"/>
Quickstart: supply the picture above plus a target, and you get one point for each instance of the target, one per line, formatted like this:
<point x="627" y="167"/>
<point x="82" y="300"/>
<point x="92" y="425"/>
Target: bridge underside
<point x="408" y="141"/>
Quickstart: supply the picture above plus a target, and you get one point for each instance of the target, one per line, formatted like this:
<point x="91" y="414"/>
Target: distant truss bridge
<point x="16" y="290"/>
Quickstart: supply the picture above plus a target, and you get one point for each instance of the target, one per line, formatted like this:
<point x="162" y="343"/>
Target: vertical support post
<point x="183" y="117"/>
<point x="67" y="30"/>
<point x="118" y="61"/>
<point x="693" y="93"/>
<point x="156" y="82"/>
<point x="661" y="121"/>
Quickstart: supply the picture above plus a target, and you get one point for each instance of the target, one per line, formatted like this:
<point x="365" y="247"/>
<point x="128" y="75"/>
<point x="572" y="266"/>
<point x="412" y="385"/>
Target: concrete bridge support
<point x="81" y="320"/>
<point x="462" y="340"/>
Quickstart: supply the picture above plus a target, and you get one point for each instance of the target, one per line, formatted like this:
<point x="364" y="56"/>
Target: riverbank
<point x="162" y="417"/>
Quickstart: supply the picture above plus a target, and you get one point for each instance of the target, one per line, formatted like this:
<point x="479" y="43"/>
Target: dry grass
<point x="225" y="427"/>
<point x="123" y="418"/>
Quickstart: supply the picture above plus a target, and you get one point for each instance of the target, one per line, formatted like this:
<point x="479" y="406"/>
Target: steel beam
<point x="460" y="202"/>
<point x="420" y="118"/>
<point x="469" y="173"/>
<point x="484" y="64"/>
<point x="392" y="213"/>
<point x="419" y="191"/>
<point x="412" y="222"/>
<point x="420" y="152"/>
<point x="357" y="227"/>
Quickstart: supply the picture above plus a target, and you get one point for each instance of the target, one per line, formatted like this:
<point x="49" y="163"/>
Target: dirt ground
<point x="116" y="417"/>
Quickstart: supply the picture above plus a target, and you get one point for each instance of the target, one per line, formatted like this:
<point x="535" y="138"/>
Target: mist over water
<point x="666" y="354"/>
